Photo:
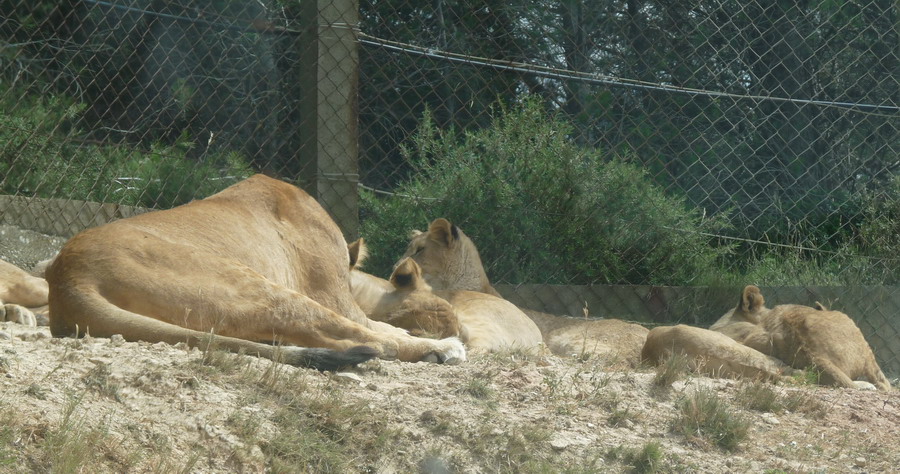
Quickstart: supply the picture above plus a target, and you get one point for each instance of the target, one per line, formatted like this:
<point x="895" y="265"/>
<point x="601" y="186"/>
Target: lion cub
<point x="485" y="323"/>
<point x="804" y="337"/>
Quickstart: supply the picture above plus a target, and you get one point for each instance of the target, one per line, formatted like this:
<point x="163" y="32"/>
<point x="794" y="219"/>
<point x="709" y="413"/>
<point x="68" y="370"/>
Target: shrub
<point x="41" y="156"/>
<point x="540" y="207"/>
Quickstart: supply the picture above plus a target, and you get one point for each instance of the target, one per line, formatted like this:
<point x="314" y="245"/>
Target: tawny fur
<point x="804" y="337"/>
<point x="259" y="261"/>
<point x="450" y="261"/>
<point x="711" y="353"/>
<point x="485" y="323"/>
<point x="23" y="296"/>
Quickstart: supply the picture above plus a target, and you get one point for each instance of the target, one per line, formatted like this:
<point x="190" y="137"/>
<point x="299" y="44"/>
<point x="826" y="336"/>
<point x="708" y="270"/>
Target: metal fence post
<point x="329" y="74"/>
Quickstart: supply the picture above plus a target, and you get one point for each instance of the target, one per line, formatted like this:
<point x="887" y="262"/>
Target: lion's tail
<point x="77" y="313"/>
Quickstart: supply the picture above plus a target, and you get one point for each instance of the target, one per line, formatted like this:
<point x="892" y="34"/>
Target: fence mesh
<point x="599" y="155"/>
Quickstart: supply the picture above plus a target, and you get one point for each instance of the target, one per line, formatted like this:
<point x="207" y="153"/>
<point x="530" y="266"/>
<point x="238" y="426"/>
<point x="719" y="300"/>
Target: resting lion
<point x="804" y="337"/>
<point x="259" y="261"/>
<point x="711" y="353"/>
<point x="485" y="323"/>
<point x="21" y="295"/>
<point x="450" y="261"/>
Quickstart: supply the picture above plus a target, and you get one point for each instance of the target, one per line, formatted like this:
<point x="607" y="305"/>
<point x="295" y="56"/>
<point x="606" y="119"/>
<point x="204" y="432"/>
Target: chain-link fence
<point x="640" y="159"/>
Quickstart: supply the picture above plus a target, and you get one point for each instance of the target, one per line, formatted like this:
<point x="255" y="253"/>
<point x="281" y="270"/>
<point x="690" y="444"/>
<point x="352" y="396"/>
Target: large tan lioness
<point x="804" y="337"/>
<point x="450" y="261"/>
<point x="21" y="295"/>
<point x="259" y="261"/>
<point x="711" y="353"/>
<point x="485" y="323"/>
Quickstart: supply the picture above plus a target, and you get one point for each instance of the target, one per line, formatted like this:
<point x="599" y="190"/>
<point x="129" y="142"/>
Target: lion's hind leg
<point x="88" y="312"/>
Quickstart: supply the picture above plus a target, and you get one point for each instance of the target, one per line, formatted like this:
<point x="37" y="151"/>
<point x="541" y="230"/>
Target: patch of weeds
<point x="36" y="391"/>
<point x="480" y="386"/>
<point x="703" y="416"/>
<point x="553" y="383"/>
<point x="222" y="361"/>
<point x="800" y="401"/>
<point x="280" y="379"/>
<point x="244" y="425"/>
<point x="645" y="460"/>
<point x="9" y="433"/>
<point x="71" y="446"/>
<point x="437" y="423"/>
<point x="98" y="380"/>
<point x="513" y="357"/>
<point x="808" y="376"/>
<point x="759" y="396"/>
<point x="619" y="417"/>
<point x="589" y="386"/>
<point x="324" y="432"/>
<point x="515" y="449"/>
<point x="671" y="370"/>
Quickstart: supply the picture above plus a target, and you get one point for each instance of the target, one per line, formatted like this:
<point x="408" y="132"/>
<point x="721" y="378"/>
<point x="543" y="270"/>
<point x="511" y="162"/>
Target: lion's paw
<point x="387" y="350"/>
<point x="450" y="351"/>
<point x="18" y="314"/>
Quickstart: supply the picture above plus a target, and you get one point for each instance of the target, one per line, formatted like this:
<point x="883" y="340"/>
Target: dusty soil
<point x="106" y="405"/>
<point x="158" y="408"/>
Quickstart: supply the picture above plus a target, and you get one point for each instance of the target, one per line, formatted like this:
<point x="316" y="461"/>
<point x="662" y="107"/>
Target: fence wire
<point x="610" y="151"/>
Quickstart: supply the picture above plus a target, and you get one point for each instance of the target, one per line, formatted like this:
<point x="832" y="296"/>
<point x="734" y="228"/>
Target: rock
<point x="859" y="462"/>
<point x="559" y="444"/>
<point x="116" y="340"/>
<point x="348" y="377"/>
<point x="770" y="419"/>
<point x="5" y="336"/>
<point x="33" y="336"/>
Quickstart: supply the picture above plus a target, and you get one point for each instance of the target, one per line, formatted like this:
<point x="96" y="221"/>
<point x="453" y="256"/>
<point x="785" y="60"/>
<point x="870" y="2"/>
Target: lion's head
<point x="448" y="258"/>
<point x="405" y="300"/>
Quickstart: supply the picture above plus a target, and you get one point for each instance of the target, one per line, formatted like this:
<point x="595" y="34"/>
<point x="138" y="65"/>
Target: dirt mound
<point x="106" y="405"/>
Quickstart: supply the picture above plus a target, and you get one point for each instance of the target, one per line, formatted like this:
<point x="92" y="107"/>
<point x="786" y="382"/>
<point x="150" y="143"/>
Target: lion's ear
<point x="752" y="299"/>
<point x="358" y="252"/>
<point x="443" y="231"/>
<point x="407" y="275"/>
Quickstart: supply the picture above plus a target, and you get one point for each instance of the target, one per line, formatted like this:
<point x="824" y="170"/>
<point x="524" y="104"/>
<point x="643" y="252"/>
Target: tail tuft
<point x="330" y="359"/>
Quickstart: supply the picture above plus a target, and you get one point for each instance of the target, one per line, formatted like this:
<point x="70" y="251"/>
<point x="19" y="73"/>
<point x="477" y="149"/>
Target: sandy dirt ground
<point x="107" y="405"/>
<point x="160" y="408"/>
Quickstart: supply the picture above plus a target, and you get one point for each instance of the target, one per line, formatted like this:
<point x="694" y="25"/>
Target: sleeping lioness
<point x="485" y="323"/>
<point x="259" y="261"/>
<point x="450" y="261"/>
<point x="804" y="337"/>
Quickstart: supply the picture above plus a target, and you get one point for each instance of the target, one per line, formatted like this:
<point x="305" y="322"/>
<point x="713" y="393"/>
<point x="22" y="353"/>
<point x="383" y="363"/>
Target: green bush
<point x="41" y="155"/>
<point x="879" y="233"/>
<point x="541" y="208"/>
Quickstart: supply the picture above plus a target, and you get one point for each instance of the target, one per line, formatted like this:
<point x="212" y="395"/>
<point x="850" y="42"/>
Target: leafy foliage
<point x="42" y="155"/>
<point x="540" y="207"/>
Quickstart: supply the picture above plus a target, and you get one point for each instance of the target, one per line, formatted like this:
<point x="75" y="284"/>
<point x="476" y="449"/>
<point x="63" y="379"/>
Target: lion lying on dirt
<point x="259" y="261"/>
<point x="485" y="323"/>
<point x="450" y="261"/>
<point x="804" y="337"/>
<point x="711" y="353"/>
<point x="21" y="295"/>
